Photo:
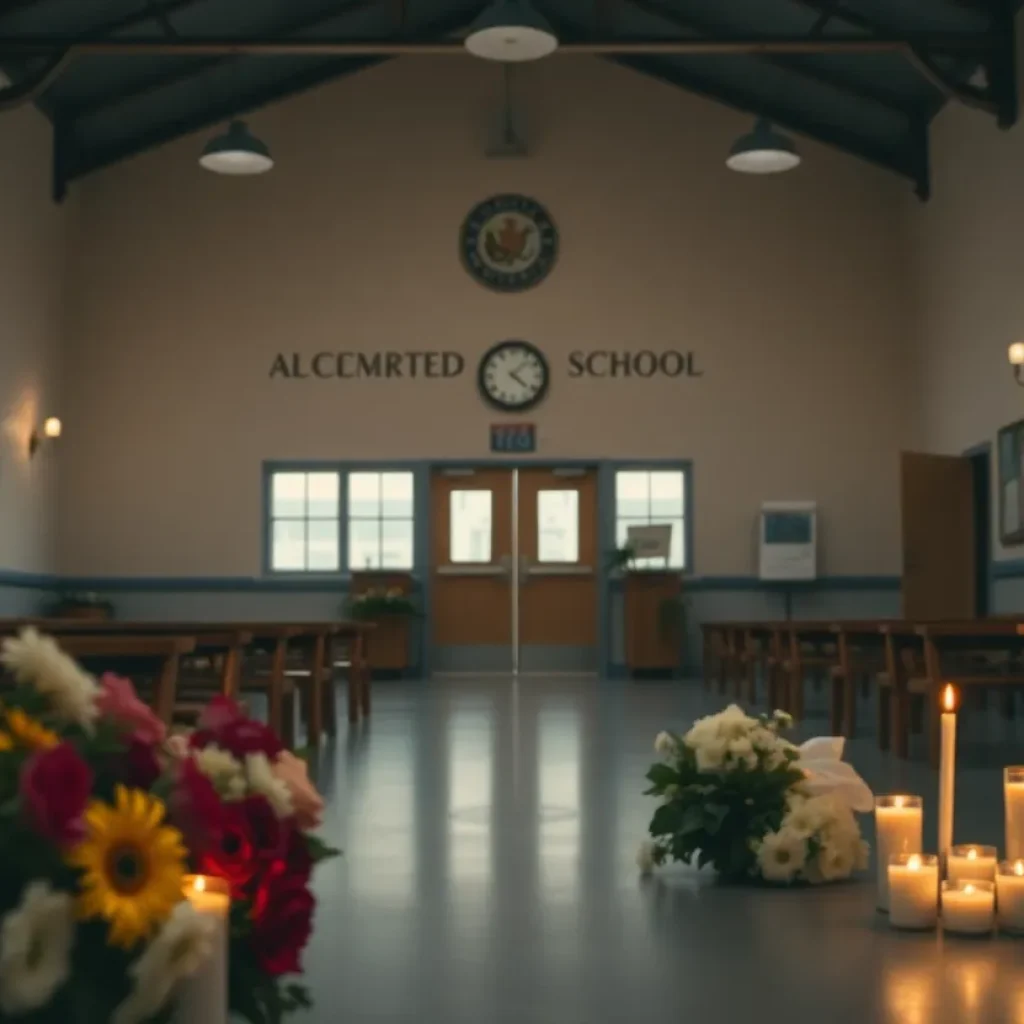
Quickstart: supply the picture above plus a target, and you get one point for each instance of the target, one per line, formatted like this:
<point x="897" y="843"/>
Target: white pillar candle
<point x="897" y="830"/>
<point x="971" y="862"/>
<point x="1010" y="896"/>
<point x="203" y="997"/>
<point x="1013" y="799"/>
<point x="968" y="908"/>
<point x="913" y="890"/>
<point x="947" y="772"/>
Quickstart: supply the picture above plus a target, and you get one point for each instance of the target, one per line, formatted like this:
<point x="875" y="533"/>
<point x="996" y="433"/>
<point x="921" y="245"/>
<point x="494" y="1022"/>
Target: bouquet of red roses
<point x="246" y="807"/>
<point x="101" y="819"/>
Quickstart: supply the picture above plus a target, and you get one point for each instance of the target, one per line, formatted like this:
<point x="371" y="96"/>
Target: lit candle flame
<point x="914" y="863"/>
<point x="199" y="884"/>
<point x="897" y="801"/>
<point x="949" y="698"/>
<point x="968" y="888"/>
<point x="972" y="854"/>
<point x="1018" y="868"/>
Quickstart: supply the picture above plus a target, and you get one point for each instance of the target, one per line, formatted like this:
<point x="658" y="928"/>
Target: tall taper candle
<point x="203" y="997"/>
<point x="947" y="774"/>
<point x="1013" y="799"/>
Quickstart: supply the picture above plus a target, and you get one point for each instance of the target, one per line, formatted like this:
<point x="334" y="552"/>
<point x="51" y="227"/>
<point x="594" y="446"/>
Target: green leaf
<point x="662" y="775"/>
<point x="666" y="820"/>
<point x="692" y="820"/>
<point x="319" y="850"/>
<point x="713" y="815"/>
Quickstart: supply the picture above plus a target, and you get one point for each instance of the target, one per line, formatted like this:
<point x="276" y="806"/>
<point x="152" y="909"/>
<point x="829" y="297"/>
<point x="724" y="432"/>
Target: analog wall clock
<point x="513" y="376"/>
<point x="509" y="243"/>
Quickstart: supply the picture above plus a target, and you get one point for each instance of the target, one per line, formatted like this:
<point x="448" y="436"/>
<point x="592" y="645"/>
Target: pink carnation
<point x="118" y="700"/>
<point x="306" y="801"/>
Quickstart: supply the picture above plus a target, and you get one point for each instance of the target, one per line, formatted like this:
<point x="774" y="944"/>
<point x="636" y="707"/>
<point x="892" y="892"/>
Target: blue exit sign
<point x="513" y="437"/>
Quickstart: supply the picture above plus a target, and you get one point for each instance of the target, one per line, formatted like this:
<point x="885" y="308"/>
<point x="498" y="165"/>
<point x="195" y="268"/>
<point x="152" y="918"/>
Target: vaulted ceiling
<point x="117" y="77"/>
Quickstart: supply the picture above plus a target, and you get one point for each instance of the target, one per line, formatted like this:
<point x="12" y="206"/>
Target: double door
<point x="514" y="562"/>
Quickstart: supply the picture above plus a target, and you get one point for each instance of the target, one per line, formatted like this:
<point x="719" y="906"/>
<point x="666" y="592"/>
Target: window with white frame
<point x="652" y="497"/>
<point x="304" y="522"/>
<point x="380" y="520"/>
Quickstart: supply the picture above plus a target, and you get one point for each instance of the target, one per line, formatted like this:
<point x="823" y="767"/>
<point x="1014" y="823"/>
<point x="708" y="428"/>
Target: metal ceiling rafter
<point x="30" y="87"/>
<point x="274" y="46"/>
<point x="874" y="95"/>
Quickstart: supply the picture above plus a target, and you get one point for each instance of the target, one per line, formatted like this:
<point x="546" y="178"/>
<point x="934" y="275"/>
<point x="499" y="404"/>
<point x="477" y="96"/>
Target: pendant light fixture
<point x="763" y="151"/>
<point x="511" y="30"/>
<point x="236" y="151"/>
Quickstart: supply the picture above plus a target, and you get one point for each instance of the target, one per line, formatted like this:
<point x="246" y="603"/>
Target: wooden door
<point x="937" y="511"/>
<point x="558" y="560"/>
<point x="471" y="563"/>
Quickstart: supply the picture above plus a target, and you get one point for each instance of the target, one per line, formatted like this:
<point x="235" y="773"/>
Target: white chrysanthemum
<point x="781" y="855"/>
<point x="783" y="719"/>
<point x="179" y="949"/>
<point x="664" y="745"/>
<point x="711" y="756"/>
<point x="224" y="770"/>
<point x="35" y="948"/>
<point x="37" y="660"/>
<point x="262" y="780"/>
<point x="645" y="857"/>
<point x="808" y="816"/>
<point x="835" y="861"/>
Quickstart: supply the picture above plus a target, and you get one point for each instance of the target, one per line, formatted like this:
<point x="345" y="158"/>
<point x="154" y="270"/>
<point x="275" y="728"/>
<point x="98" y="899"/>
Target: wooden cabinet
<point x="654" y="623"/>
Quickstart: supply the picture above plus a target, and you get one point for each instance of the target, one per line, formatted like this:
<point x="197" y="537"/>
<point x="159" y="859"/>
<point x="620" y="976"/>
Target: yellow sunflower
<point x="29" y="732"/>
<point x="133" y="866"/>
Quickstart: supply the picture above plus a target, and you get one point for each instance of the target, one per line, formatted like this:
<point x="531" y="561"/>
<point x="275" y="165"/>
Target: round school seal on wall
<point x="509" y="243"/>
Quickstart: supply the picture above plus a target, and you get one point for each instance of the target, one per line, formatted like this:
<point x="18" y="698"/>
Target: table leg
<point x="275" y="696"/>
<point x="933" y="671"/>
<point x="796" y="678"/>
<point x="315" y="721"/>
<point x="365" y="676"/>
<point x="231" y="672"/>
<point x="167" y="689"/>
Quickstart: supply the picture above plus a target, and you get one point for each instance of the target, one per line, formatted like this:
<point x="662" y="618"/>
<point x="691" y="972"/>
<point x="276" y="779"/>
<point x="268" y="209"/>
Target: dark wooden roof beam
<point x="876" y="95"/>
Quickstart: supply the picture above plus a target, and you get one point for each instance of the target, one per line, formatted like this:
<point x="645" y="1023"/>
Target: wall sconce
<point x="1016" y="356"/>
<point x="51" y="431"/>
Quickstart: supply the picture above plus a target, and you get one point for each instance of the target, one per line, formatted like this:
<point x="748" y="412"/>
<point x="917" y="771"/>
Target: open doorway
<point x="981" y="480"/>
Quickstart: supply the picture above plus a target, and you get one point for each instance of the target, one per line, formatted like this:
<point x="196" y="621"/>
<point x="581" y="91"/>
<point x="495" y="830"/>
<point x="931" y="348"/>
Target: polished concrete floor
<point x="490" y="828"/>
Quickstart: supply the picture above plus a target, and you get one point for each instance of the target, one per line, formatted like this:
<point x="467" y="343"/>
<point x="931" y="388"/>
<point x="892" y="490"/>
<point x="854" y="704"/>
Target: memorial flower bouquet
<point x="740" y="797"/>
<point x="101" y="819"/>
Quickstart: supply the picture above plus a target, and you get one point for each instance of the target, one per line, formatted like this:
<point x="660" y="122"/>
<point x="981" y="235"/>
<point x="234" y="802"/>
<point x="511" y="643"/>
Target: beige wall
<point x="790" y="292"/>
<point x="32" y="256"/>
<point x="968" y="243"/>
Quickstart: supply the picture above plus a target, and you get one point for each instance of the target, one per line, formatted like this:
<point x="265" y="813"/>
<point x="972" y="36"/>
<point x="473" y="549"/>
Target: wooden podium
<point x="652" y="644"/>
<point x="388" y="647"/>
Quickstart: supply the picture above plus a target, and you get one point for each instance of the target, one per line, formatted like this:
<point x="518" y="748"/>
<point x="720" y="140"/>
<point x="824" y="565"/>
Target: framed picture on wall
<point x="1011" y="483"/>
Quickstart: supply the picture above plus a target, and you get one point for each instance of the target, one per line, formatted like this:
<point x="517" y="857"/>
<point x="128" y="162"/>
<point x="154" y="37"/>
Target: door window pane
<point x="652" y="498"/>
<point x="380" y="520"/>
<point x="304" y="522"/>
<point x="470" y="526"/>
<point x="558" y="526"/>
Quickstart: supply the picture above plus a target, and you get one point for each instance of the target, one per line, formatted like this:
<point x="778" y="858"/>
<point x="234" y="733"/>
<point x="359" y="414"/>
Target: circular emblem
<point x="513" y="376"/>
<point x="509" y="243"/>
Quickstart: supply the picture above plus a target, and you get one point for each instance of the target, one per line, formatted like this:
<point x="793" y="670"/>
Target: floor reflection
<point x="489" y="831"/>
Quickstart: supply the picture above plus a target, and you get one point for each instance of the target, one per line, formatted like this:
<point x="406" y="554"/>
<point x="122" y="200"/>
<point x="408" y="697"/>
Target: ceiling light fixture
<point x="511" y="31"/>
<point x="763" y="151"/>
<point x="236" y="151"/>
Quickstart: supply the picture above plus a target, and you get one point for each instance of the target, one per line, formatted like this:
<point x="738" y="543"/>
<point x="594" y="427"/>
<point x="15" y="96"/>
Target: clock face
<point x="513" y="376"/>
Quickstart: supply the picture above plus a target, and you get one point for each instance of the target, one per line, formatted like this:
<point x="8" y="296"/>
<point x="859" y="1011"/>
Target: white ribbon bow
<point x="822" y="762"/>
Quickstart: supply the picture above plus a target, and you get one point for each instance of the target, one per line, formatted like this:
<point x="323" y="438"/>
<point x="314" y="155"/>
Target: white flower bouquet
<point x="738" y="796"/>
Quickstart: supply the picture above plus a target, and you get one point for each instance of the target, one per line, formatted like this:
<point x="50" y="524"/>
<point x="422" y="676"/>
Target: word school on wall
<point x="644" y="363"/>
